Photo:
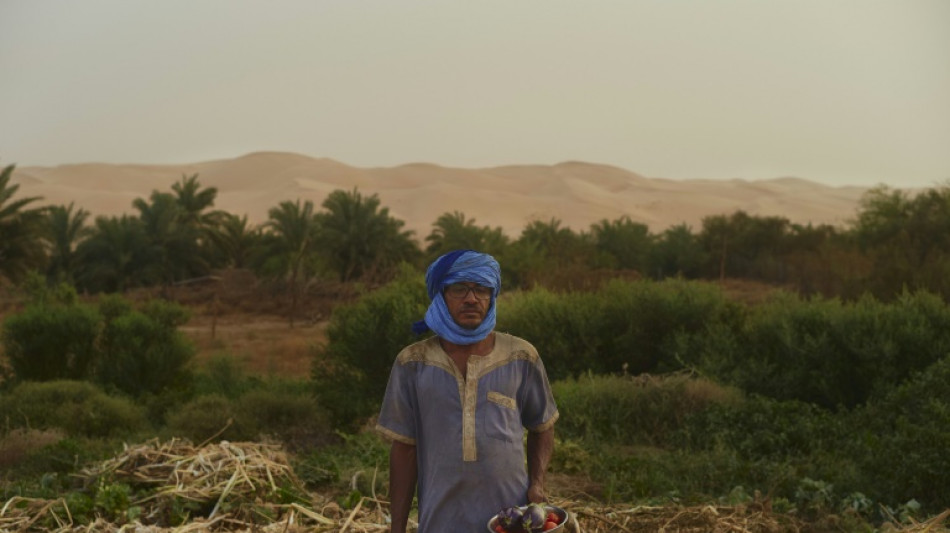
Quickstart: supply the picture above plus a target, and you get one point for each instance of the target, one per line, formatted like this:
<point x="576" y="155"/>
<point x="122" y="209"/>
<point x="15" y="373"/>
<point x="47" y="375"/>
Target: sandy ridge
<point x="577" y="194"/>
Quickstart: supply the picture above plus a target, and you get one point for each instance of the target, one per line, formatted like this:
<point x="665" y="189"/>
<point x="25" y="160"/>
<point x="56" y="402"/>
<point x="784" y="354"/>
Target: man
<point x="458" y="403"/>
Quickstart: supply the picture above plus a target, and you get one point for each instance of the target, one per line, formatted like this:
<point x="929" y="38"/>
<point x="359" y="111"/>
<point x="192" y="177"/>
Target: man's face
<point x="467" y="303"/>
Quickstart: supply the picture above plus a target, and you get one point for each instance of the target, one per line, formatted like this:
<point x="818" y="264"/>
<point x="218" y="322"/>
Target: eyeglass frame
<point x="468" y="289"/>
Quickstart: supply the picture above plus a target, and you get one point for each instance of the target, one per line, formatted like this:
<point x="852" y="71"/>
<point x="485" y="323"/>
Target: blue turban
<point x="453" y="267"/>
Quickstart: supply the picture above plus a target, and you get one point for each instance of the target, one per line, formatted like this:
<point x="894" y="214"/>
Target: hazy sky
<point x="836" y="91"/>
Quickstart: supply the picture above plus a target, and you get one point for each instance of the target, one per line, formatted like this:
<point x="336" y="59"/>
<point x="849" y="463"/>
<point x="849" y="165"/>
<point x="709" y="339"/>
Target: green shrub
<point x="78" y="408"/>
<point x="292" y="417"/>
<point x="48" y="470"/>
<point x="793" y="438"/>
<point x="143" y="351"/>
<point x="763" y="428"/>
<point x="652" y="326"/>
<point x="206" y="417"/>
<point x="901" y="441"/>
<point x="281" y="411"/>
<point x="49" y="342"/>
<point x="571" y="457"/>
<point x="350" y="373"/>
<point x="564" y="327"/>
<point x="828" y="352"/>
<point x="224" y="375"/>
<point x="642" y="411"/>
<point x="136" y="352"/>
<point x="361" y="459"/>
<point x="637" y="327"/>
<point x="17" y="444"/>
<point x="684" y="477"/>
<point x="112" y="306"/>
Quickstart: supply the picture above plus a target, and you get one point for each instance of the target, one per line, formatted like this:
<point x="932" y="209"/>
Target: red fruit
<point x="499" y="529"/>
<point x="552" y="517"/>
<point x="549" y="525"/>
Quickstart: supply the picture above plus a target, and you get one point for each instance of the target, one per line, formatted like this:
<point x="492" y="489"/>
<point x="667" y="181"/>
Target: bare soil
<point x="263" y="345"/>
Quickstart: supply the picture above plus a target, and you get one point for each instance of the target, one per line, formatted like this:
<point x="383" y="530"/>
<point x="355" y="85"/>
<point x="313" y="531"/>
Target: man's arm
<point x="540" y="449"/>
<point x="402" y="483"/>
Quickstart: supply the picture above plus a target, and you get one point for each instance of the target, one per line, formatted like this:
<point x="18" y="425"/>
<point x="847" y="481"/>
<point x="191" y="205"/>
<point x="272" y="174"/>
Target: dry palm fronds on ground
<point x="245" y="487"/>
<point x="216" y="472"/>
<point x="755" y="517"/>
<point x="225" y="487"/>
<point x="706" y="519"/>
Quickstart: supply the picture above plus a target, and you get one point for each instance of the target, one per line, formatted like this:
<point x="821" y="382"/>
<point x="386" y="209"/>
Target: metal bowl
<point x="561" y="515"/>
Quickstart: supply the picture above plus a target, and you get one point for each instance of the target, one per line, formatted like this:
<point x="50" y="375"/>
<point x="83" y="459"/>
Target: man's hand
<point x="536" y="494"/>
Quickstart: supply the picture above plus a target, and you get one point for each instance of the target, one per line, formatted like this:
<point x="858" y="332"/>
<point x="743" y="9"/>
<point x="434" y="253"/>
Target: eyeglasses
<point x="459" y="291"/>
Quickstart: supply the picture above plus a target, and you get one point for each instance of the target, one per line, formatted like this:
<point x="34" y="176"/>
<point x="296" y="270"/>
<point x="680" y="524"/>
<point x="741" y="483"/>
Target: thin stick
<point x="350" y="519"/>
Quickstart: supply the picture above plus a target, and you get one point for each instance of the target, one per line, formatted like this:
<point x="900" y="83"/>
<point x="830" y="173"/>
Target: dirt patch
<point x="263" y="345"/>
<point x="257" y="322"/>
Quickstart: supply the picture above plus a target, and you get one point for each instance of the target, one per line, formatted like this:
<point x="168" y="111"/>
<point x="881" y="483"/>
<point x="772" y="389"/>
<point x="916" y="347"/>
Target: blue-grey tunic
<point x="468" y="432"/>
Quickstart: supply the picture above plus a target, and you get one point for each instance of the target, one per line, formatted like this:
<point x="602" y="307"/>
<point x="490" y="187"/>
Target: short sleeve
<point x="538" y="411"/>
<point x="397" y="416"/>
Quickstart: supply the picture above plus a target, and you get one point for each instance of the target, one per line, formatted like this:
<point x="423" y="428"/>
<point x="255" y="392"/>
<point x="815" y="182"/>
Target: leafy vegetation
<point x="829" y="396"/>
<point x="20" y="228"/>
<point x="895" y="242"/>
<point x="350" y="372"/>
<point x="78" y="408"/>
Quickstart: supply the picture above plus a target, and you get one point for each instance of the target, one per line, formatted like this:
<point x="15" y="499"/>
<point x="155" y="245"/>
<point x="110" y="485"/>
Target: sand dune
<point x="577" y="194"/>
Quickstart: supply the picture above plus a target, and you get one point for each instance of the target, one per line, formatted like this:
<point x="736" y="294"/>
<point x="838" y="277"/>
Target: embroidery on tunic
<point x="501" y="399"/>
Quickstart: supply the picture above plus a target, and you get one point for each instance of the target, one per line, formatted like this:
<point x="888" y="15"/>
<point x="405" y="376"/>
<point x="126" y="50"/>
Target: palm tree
<point x="360" y="238"/>
<point x="676" y="252"/>
<point x="21" y="246"/>
<point x="289" y="243"/>
<point x="233" y="242"/>
<point x="173" y="243"/>
<point x="114" y="256"/>
<point x="194" y="200"/>
<point x="452" y="231"/>
<point x="65" y="230"/>
<point x="559" y="246"/>
<point x="626" y="242"/>
<point x="195" y="203"/>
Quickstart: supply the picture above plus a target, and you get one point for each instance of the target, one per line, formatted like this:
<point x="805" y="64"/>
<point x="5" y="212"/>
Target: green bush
<point x="652" y="326"/>
<point x="642" y="411"/>
<point x="292" y="417"/>
<point x="48" y="469"/>
<point x="205" y="417"/>
<point x="78" y="408"/>
<point x="763" y="428"/>
<point x="361" y="460"/>
<point x="565" y="328"/>
<point x="571" y="457"/>
<point x="137" y="352"/>
<point x="282" y="411"/>
<point x="901" y="441"/>
<point x="350" y="373"/>
<point x="828" y="352"/>
<point x="112" y="306"/>
<point x="224" y="375"/>
<point x="49" y="342"/>
<point x="637" y="327"/>
<point x="143" y="351"/>
<point x="18" y="443"/>
<point x="684" y="477"/>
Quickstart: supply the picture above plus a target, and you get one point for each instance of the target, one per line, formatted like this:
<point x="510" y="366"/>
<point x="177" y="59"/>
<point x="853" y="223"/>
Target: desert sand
<point x="577" y="194"/>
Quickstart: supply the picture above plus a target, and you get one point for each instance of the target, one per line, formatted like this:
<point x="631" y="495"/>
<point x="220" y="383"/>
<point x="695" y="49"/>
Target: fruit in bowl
<point x="531" y="518"/>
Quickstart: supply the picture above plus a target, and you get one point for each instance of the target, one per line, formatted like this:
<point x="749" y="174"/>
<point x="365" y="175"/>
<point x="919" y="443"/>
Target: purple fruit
<point x="510" y="518"/>
<point x="532" y="519"/>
